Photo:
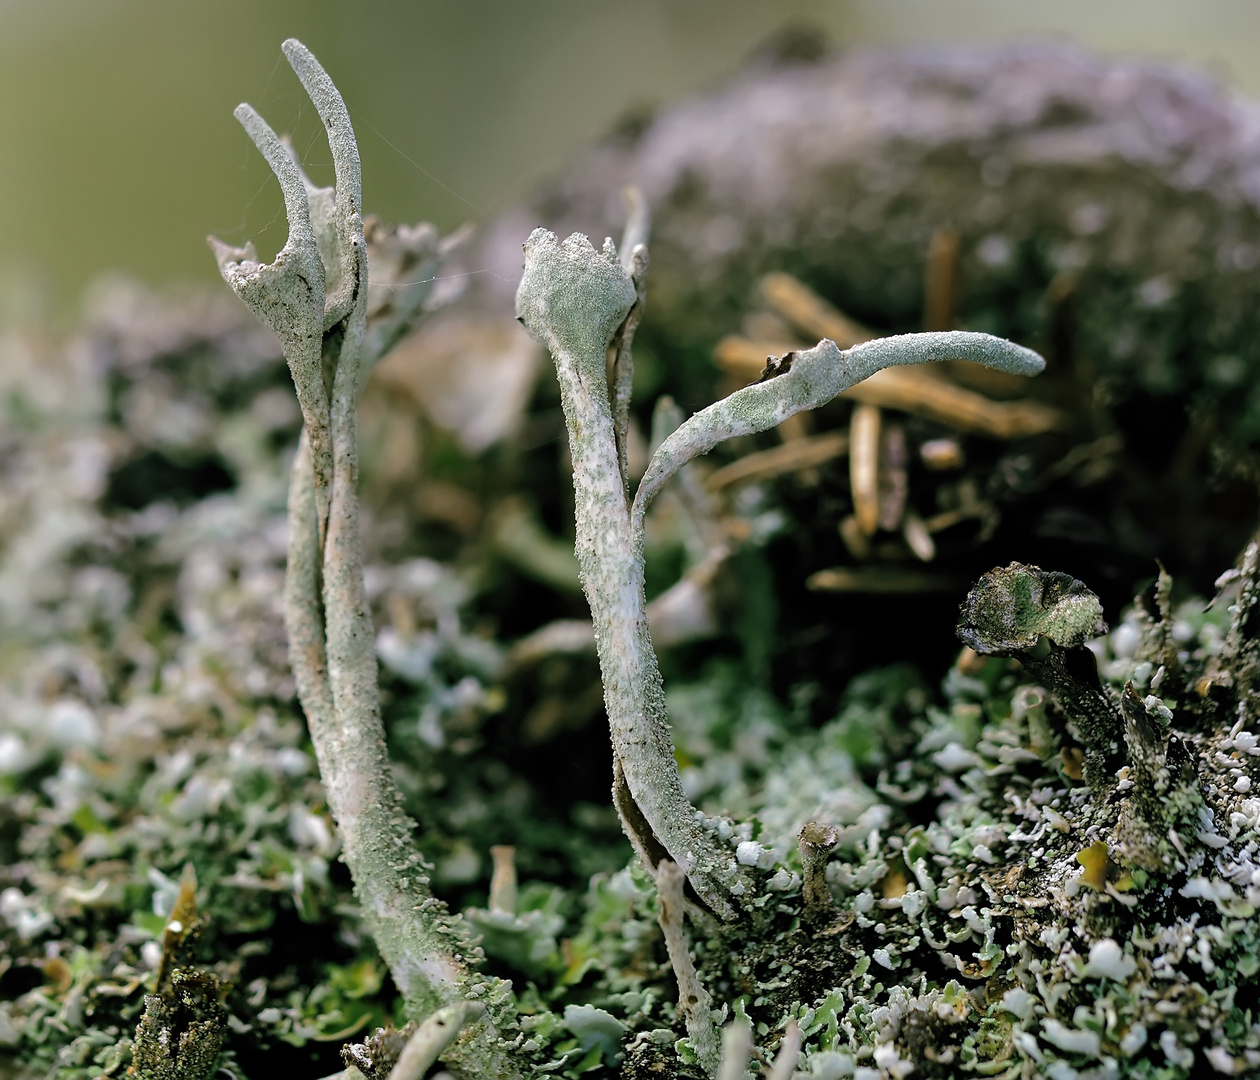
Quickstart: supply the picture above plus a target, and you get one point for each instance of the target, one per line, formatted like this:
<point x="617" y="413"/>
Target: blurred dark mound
<point x="1106" y="213"/>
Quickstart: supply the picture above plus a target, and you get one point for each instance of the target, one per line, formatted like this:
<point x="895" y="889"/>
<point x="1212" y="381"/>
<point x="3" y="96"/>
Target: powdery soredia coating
<point x="332" y="644"/>
<point x="573" y="299"/>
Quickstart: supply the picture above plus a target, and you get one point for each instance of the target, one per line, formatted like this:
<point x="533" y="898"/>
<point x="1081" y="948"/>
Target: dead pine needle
<point x="864" y="430"/>
<point x="503" y="879"/>
<point x="918" y="538"/>
<point x="856" y="542"/>
<point x="940" y="291"/>
<point x="809" y="313"/>
<point x="798" y="454"/>
<point x="877" y="579"/>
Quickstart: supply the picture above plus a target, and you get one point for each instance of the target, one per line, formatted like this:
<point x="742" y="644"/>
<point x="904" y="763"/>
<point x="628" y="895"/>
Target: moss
<point x="151" y="722"/>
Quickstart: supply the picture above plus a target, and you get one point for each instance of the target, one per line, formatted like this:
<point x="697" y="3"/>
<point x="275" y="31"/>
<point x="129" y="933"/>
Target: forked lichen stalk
<point x="634" y="260"/>
<point x="331" y="638"/>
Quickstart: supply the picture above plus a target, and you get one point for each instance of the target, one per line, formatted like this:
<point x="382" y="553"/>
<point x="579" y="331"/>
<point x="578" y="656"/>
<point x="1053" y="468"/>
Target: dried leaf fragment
<point x="1095" y="862"/>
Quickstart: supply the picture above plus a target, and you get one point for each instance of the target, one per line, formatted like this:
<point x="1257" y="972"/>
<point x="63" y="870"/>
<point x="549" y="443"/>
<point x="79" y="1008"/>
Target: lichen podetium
<point x="331" y="641"/>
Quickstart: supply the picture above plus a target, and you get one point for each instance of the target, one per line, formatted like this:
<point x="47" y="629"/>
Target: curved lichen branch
<point x="330" y="105"/>
<point x="811" y="378"/>
<point x="288" y="296"/>
<point x="694" y="1001"/>
<point x="288" y="172"/>
<point x="348" y="212"/>
<point x="323" y="204"/>
<point x="573" y="299"/>
<point x="432" y="1037"/>
<point x="634" y="260"/>
<point x="638" y="227"/>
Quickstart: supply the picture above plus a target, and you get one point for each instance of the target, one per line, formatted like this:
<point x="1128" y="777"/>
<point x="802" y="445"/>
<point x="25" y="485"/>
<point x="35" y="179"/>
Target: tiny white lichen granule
<point x="1107" y="961"/>
<point x="1174" y="1051"/>
<point x="1134" y="1039"/>
<point x="1073" y="1040"/>
<point x="1221" y="1060"/>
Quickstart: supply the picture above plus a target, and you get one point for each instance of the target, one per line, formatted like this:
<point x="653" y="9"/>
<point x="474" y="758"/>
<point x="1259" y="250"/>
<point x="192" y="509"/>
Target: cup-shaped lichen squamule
<point x="573" y="299"/>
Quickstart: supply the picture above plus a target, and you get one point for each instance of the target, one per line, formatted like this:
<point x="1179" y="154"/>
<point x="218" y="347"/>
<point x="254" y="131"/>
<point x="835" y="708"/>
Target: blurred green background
<point x="118" y="149"/>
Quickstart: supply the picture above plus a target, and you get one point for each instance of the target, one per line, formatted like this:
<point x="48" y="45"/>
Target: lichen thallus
<point x="580" y="303"/>
<point x="575" y="300"/>
<point x="314" y="297"/>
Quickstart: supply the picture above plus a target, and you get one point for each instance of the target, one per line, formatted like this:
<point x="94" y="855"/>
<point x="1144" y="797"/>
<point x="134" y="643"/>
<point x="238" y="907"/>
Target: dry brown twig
<point x="804" y="453"/>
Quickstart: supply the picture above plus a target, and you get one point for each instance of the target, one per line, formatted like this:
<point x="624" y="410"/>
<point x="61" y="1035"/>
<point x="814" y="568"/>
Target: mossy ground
<point x="150" y="724"/>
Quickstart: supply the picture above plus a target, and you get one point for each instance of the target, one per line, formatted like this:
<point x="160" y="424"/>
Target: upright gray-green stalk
<point x="576" y="300"/>
<point x="314" y="297"/>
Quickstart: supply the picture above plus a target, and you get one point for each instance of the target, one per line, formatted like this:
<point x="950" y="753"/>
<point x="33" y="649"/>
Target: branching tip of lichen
<point x="432" y="1037"/>
<point x="336" y="118"/>
<point x="572" y="297"/>
<point x="986" y="349"/>
<point x="810" y="379"/>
